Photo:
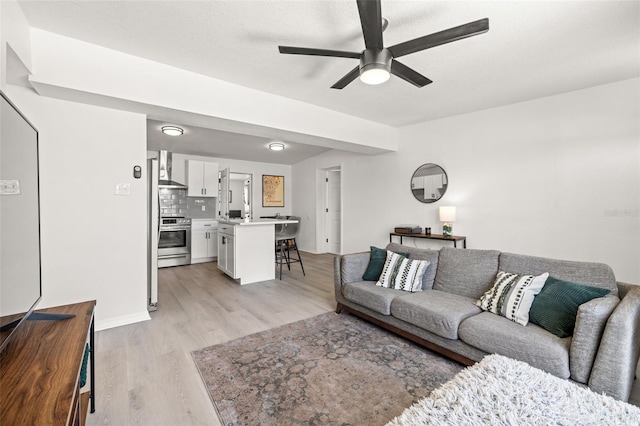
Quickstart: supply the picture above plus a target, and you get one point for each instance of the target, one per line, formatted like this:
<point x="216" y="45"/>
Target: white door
<point x="333" y="212"/>
<point x="223" y="198"/>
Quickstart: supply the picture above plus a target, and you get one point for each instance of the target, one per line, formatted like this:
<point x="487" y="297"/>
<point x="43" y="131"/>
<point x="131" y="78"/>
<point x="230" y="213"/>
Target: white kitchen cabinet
<point x="227" y="250"/>
<point x="202" y="178"/>
<point x="204" y="240"/>
<point x="432" y="186"/>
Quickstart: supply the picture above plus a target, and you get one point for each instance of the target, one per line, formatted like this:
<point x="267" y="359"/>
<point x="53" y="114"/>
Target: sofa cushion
<point x="436" y="311"/>
<point x="512" y="295"/>
<point x="367" y="294"/>
<point x="587" y="273"/>
<point x="556" y="307"/>
<point x="531" y="344"/>
<point x="420" y="254"/>
<point x="377" y="258"/>
<point x="466" y="272"/>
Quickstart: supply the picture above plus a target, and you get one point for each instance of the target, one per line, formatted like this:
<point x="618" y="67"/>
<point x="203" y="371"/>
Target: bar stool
<point x="285" y="235"/>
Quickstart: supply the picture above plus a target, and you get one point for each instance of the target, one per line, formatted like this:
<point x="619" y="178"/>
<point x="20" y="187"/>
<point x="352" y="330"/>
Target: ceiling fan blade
<point x="289" y="50"/>
<point x="442" y="37"/>
<point x="371" y="20"/>
<point x="409" y="75"/>
<point x="352" y="75"/>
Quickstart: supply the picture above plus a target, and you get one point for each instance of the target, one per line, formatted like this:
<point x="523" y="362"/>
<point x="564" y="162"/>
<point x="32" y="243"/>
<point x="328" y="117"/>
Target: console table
<point x="454" y="238"/>
<point x="40" y="368"/>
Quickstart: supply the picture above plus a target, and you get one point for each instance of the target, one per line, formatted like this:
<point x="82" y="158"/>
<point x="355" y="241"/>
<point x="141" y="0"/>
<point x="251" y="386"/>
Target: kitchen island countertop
<point x="255" y="222"/>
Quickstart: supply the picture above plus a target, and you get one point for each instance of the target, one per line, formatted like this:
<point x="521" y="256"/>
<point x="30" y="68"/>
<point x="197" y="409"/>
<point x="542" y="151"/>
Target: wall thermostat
<point x="137" y="172"/>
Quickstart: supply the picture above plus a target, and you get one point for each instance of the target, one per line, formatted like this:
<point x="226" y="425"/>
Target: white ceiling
<point x="533" y="49"/>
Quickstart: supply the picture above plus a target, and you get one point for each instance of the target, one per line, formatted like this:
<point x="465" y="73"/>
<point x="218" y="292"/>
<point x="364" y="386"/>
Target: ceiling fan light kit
<point x="377" y="63"/>
<point x="375" y="66"/>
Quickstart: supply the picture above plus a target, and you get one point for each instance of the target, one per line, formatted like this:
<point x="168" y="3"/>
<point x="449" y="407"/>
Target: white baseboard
<point x="122" y="320"/>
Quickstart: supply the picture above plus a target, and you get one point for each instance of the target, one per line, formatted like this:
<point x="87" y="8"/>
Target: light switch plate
<point x="123" y="189"/>
<point x="9" y="187"/>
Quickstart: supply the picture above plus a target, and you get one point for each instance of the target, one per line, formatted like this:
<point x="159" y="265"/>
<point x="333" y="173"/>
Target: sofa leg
<point x="339" y="308"/>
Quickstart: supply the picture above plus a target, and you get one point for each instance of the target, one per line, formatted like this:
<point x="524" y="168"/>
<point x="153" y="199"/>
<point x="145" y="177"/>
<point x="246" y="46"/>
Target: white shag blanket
<point x="503" y="391"/>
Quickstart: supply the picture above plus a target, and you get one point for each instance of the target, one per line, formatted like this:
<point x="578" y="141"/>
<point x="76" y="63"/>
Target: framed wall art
<point x="272" y="191"/>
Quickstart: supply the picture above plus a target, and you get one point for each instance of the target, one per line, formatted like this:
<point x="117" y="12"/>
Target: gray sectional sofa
<point x="602" y="352"/>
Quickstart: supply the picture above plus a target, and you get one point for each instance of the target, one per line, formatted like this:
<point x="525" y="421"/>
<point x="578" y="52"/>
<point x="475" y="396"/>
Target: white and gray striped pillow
<point x="512" y="295"/>
<point x="401" y="273"/>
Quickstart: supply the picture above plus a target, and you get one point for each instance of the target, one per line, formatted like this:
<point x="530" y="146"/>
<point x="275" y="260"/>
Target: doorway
<point x="330" y="212"/>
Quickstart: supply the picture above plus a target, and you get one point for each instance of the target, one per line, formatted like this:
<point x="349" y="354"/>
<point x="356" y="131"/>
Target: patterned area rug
<point x="331" y="370"/>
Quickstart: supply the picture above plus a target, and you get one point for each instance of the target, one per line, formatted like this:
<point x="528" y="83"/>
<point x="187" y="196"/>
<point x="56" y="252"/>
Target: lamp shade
<point x="447" y="214"/>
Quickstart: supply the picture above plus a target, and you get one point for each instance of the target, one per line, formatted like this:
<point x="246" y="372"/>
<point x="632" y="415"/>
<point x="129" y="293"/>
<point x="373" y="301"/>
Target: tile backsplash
<point x="173" y="202"/>
<point x="195" y="207"/>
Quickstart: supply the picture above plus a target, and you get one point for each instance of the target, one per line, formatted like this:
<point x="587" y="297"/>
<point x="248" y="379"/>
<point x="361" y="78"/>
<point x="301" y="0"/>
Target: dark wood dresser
<point x="40" y="370"/>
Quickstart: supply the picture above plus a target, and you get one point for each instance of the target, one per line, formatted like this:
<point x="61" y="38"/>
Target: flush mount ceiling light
<point x="172" y="130"/>
<point x="276" y="146"/>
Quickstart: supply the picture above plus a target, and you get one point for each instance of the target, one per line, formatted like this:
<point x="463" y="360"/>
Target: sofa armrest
<point x="615" y="365"/>
<point x="590" y="323"/>
<point x="353" y="267"/>
<point x="347" y="269"/>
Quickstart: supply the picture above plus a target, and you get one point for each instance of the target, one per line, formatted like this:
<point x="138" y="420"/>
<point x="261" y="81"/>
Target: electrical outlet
<point x="204" y="208"/>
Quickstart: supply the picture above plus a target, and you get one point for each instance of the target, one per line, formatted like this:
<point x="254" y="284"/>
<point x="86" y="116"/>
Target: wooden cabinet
<point x="204" y="240"/>
<point x="40" y="369"/>
<point x="202" y="178"/>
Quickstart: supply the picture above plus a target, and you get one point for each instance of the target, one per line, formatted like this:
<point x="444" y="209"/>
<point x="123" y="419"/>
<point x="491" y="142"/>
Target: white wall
<point x="257" y="169"/>
<point x="14" y="33"/>
<point x="556" y="177"/>
<point x="68" y="68"/>
<point x="93" y="242"/>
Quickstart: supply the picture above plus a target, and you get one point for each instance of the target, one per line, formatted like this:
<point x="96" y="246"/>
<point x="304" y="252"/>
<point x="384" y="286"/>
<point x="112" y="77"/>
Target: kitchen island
<point x="246" y="249"/>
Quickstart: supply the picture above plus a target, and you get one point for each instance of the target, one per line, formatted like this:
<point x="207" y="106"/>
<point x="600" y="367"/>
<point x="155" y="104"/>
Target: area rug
<point x="330" y="369"/>
<point x="503" y="391"/>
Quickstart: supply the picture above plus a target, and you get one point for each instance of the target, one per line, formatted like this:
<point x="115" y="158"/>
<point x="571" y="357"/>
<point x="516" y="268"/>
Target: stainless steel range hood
<point x="164" y="171"/>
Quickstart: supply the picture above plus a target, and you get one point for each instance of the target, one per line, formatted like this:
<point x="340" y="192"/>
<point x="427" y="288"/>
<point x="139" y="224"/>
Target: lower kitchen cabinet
<point x="227" y="250"/>
<point x="204" y="236"/>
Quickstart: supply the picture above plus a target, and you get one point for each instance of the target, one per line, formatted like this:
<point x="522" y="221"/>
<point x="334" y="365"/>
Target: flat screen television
<point x="20" y="276"/>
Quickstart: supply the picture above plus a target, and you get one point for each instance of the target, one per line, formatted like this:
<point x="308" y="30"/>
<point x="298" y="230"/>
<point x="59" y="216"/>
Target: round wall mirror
<point x="429" y="183"/>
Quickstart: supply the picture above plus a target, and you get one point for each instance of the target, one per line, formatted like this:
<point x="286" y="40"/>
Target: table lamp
<point x="447" y="215"/>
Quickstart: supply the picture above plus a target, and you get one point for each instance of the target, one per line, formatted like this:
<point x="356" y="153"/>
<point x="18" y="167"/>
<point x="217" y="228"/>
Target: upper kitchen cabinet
<point x="202" y="178"/>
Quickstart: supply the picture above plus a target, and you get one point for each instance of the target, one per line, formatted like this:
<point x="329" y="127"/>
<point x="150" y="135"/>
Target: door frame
<point x="322" y="197"/>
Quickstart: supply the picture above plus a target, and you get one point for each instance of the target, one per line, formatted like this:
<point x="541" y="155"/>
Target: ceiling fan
<point x="378" y="62"/>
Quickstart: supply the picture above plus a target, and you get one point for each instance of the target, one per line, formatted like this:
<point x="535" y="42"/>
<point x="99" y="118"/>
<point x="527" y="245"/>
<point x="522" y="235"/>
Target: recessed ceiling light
<point x="172" y="130"/>
<point x="276" y="146"/>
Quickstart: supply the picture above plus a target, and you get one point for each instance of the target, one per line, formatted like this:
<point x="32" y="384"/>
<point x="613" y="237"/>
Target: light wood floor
<point x="144" y="372"/>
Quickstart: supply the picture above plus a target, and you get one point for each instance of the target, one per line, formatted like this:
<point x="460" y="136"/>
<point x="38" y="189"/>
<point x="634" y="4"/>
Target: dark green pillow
<point x="556" y="307"/>
<point x="376" y="262"/>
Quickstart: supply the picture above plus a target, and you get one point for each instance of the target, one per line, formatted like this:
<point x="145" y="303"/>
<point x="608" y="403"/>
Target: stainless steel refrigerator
<point x="153" y="231"/>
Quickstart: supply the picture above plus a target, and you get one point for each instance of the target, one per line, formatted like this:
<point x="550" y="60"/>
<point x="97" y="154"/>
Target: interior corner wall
<point x="94" y="243"/>
<point x="557" y="177"/>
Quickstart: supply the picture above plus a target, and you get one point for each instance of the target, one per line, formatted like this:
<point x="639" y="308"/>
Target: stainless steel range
<point x="174" y="242"/>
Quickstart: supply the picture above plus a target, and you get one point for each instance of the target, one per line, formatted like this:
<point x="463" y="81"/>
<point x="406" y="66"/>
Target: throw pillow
<point x="376" y="262"/>
<point x="401" y="273"/>
<point x="556" y="307"/>
<point x="512" y="295"/>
